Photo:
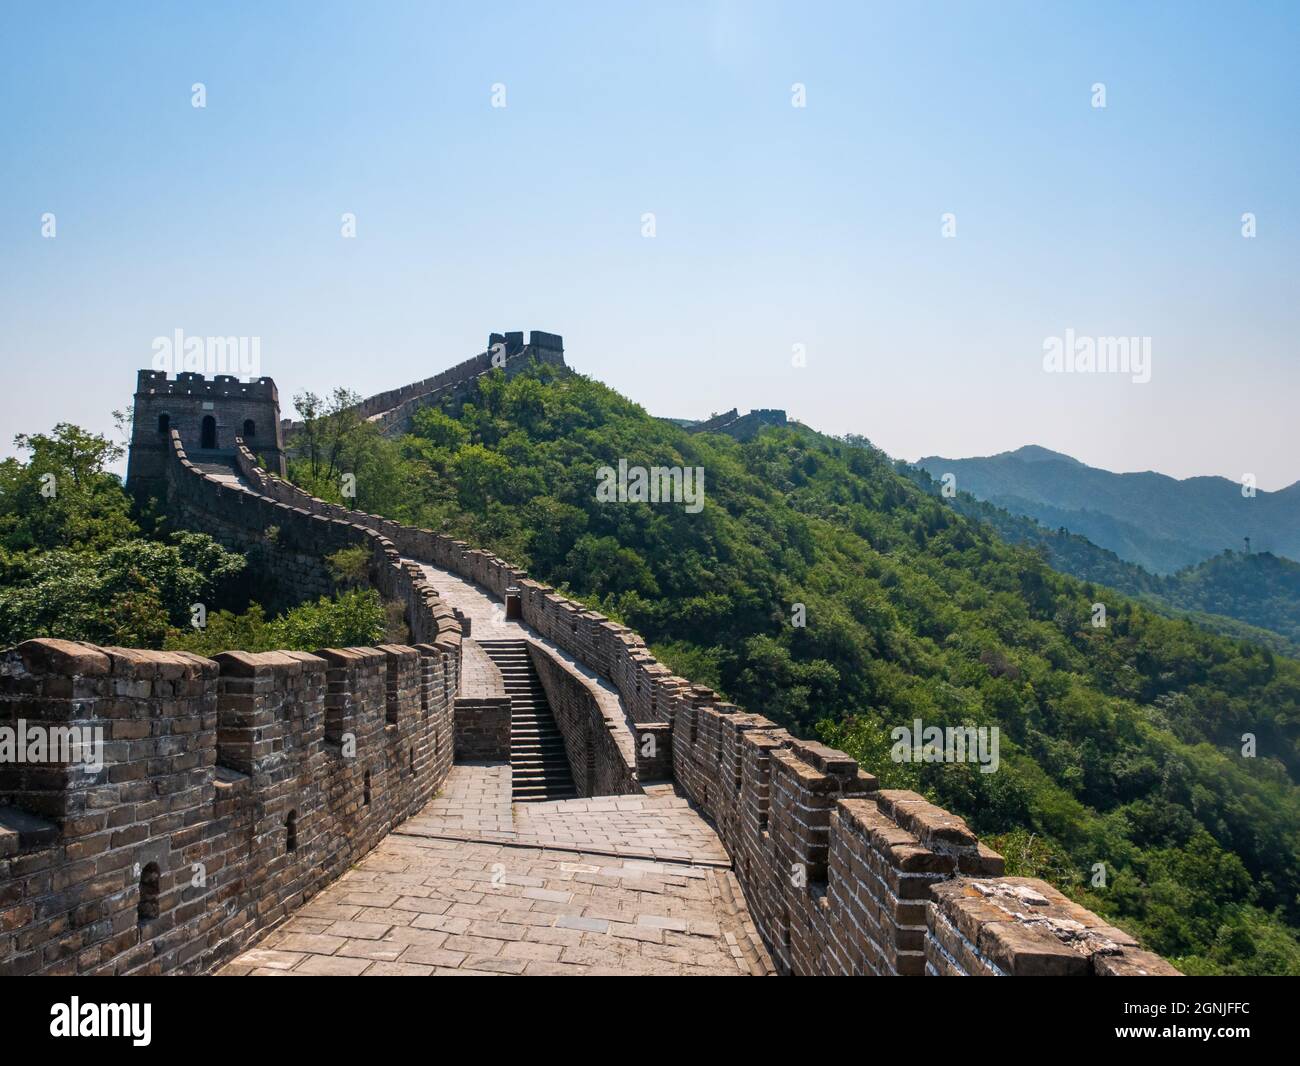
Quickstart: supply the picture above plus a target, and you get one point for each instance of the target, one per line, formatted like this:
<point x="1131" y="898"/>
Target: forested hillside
<point x="1249" y="596"/>
<point x="77" y="564"/>
<point x="1121" y="747"/>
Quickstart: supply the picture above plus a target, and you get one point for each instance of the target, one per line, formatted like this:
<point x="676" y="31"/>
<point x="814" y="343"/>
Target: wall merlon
<point x="934" y="826"/>
<point x="1021" y="926"/>
<point x="601" y="748"/>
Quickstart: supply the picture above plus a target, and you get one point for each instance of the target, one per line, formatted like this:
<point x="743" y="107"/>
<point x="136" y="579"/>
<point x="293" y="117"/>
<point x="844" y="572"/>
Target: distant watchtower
<point x="208" y="415"/>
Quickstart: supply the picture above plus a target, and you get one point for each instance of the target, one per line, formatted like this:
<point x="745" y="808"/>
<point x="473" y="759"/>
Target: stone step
<point x="536" y="778"/>
<point x="552" y="796"/>
<point x="539" y="764"/>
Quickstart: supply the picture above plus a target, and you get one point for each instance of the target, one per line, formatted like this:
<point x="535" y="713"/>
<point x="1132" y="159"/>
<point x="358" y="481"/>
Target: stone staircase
<point x="539" y="764"/>
<point x="219" y="464"/>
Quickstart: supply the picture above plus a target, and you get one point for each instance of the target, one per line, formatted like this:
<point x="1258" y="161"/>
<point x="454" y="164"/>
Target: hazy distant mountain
<point x="1157" y="521"/>
<point x="1252" y="597"/>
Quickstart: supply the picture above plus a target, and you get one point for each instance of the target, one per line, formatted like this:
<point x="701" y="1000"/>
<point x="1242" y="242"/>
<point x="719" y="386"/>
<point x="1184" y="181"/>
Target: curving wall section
<point x="236" y="787"/>
<point x="842" y="877"/>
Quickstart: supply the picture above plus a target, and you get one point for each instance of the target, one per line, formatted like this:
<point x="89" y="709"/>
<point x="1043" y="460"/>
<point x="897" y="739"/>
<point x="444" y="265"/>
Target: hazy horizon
<point x="777" y="228"/>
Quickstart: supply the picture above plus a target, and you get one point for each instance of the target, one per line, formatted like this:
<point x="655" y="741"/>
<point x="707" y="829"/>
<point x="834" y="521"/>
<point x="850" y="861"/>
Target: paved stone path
<point x="474" y="804"/>
<point x="470" y="885"/>
<point x="479" y="676"/>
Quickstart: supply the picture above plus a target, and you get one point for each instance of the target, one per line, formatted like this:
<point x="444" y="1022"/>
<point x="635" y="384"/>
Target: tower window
<point x="365" y="793"/>
<point x="250" y="429"/>
<point x="209" y="433"/>
<point x="291" y="831"/>
<point x="164" y="424"/>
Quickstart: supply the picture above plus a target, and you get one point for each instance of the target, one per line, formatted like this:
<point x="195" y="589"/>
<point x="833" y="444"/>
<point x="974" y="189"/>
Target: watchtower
<point x="208" y="414"/>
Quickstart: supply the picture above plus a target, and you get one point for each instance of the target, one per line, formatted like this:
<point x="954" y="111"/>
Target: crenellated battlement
<point x="231" y="791"/>
<point x="186" y="383"/>
<point x="392" y="410"/>
<point x="742" y="427"/>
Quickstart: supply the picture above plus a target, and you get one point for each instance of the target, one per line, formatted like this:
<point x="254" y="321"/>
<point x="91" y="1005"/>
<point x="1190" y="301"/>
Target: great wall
<point x="522" y="789"/>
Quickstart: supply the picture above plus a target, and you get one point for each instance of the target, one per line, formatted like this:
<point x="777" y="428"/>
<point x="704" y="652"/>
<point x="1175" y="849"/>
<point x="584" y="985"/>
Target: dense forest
<point x="1127" y="774"/>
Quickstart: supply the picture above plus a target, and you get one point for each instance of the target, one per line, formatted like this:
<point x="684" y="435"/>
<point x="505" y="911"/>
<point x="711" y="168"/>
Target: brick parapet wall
<point x="302" y="540"/>
<point x="397" y="418"/>
<point x="716" y="421"/>
<point x="654" y="751"/>
<point x="395" y="407"/>
<point x="483" y="728"/>
<point x="204" y="762"/>
<point x="601" y="751"/>
<point x="1021" y="927"/>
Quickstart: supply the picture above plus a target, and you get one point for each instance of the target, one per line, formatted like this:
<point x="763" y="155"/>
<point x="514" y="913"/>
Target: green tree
<point x="61" y="496"/>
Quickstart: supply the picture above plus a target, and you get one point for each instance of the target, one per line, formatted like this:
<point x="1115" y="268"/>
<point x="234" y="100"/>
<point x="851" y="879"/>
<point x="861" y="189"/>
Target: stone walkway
<point x="474" y="804"/>
<point x="479" y="676"/>
<point x="470" y="885"/>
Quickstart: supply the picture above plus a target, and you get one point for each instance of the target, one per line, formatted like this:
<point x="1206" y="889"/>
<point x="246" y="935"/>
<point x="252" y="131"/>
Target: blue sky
<point x="775" y="225"/>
